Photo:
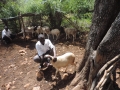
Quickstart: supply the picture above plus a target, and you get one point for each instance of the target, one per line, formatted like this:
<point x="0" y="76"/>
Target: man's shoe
<point x="4" y="42"/>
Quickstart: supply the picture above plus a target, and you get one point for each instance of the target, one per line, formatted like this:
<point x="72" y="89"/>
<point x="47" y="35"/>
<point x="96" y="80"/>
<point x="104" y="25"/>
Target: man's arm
<point x="40" y="54"/>
<point x="52" y="47"/>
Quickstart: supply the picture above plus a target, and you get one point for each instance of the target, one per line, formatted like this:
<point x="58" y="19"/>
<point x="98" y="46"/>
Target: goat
<point x="46" y="30"/>
<point x="28" y="30"/>
<point x="55" y="32"/>
<point x="70" y="31"/>
<point x="38" y="30"/>
<point x="62" y="61"/>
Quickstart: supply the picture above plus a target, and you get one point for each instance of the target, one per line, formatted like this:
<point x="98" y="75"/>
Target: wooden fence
<point x="21" y="21"/>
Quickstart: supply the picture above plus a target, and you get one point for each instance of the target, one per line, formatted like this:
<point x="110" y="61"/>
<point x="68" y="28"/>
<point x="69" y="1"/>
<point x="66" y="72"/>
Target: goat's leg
<point x="43" y="33"/>
<point x="53" y="36"/>
<point x="74" y="65"/>
<point x="32" y="33"/>
<point x="65" y="69"/>
<point x="66" y="36"/>
<point x="73" y="38"/>
<point x="55" y="76"/>
<point x="57" y="36"/>
<point x="48" y="36"/>
<point x="56" y="73"/>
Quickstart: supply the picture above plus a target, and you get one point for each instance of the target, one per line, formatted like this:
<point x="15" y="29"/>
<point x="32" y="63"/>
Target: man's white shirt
<point x="6" y="33"/>
<point x="41" y="49"/>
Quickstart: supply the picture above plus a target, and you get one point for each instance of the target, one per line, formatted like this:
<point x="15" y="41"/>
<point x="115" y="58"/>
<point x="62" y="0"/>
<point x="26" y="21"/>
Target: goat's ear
<point x="55" y="59"/>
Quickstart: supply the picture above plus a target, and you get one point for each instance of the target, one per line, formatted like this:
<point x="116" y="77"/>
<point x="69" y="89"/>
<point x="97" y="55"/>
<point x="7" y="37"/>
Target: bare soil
<point x="18" y="70"/>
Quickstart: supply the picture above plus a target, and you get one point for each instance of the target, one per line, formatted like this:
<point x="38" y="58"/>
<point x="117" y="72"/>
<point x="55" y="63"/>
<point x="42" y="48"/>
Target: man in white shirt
<point x="7" y="35"/>
<point x="43" y="47"/>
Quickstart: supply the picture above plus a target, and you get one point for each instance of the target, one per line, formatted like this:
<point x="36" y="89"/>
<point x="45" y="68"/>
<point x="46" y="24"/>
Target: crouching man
<point x="43" y="47"/>
<point x="7" y="35"/>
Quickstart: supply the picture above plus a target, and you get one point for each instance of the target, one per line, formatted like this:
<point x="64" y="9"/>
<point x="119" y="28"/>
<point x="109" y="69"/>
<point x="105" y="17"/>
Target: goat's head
<point x="51" y="58"/>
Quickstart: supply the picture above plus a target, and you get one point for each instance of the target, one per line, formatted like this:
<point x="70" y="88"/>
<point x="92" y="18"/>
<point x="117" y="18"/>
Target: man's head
<point x="41" y="38"/>
<point x="6" y="28"/>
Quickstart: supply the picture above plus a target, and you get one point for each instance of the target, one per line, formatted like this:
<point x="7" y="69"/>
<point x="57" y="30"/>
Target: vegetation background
<point x="55" y="13"/>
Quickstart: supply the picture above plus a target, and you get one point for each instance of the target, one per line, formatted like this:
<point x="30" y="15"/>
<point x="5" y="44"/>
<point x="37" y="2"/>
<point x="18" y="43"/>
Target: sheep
<point x="55" y="32"/>
<point x="38" y="30"/>
<point x="62" y="61"/>
<point x="28" y="30"/>
<point x="46" y="30"/>
<point x="70" y="31"/>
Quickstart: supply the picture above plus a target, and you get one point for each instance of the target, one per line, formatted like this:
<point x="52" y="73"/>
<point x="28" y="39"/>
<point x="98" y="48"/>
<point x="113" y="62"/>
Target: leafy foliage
<point x="31" y="6"/>
<point x="75" y="10"/>
<point x="10" y="9"/>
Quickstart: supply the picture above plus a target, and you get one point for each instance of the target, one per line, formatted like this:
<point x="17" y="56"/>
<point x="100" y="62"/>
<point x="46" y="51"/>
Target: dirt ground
<point x="18" y="70"/>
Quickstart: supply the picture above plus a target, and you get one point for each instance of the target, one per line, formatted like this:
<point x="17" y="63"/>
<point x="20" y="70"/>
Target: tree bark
<point x="103" y="42"/>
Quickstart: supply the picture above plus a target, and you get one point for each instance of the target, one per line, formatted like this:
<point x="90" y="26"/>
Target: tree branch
<point x="101" y="71"/>
<point x="72" y="23"/>
<point x="105" y="77"/>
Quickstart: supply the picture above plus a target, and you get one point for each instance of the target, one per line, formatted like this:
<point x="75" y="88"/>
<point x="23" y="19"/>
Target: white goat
<point x="70" y="31"/>
<point x="46" y="30"/>
<point x="28" y="30"/>
<point x="62" y="61"/>
<point x="39" y="30"/>
<point x="55" y="32"/>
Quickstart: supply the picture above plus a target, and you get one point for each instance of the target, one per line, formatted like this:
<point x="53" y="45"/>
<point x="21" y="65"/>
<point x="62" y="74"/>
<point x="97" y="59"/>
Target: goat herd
<point x="46" y="30"/>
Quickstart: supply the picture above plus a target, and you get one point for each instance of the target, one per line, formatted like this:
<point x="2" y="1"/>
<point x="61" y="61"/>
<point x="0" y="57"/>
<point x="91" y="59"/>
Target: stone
<point x="36" y="88"/>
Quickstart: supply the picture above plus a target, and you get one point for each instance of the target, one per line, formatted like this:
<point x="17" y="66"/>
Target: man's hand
<point x="10" y="38"/>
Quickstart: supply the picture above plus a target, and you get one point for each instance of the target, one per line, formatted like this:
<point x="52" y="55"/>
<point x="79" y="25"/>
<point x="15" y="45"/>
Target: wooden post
<point x="23" y="27"/>
<point x="19" y="20"/>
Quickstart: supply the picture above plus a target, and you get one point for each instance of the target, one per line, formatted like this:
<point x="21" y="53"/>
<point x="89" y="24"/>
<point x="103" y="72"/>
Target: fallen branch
<point x="105" y="77"/>
<point x="101" y="71"/>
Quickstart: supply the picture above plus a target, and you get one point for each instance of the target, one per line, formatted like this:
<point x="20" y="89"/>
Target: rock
<point x="22" y="51"/>
<point x="63" y="69"/>
<point x="11" y="66"/>
<point x="39" y="75"/>
<point x="3" y="87"/>
<point x="27" y="85"/>
<point x="13" y="82"/>
<point x="26" y="59"/>
<point x="8" y="86"/>
<point x="28" y="73"/>
<point x="36" y="88"/>
<point x="67" y="88"/>
<point x="21" y="73"/>
<point x="117" y="75"/>
<point x="13" y="87"/>
<point x="65" y="76"/>
<point x="70" y="70"/>
<point x="22" y="54"/>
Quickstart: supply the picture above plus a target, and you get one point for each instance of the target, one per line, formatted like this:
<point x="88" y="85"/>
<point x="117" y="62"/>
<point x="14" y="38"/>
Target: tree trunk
<point x="55" y="19"/>
<point x="102" y="45"/>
